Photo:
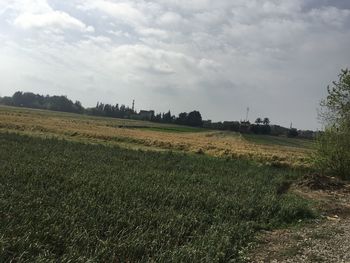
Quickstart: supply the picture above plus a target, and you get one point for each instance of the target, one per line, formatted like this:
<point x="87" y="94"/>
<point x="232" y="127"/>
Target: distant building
<point x="146" y="114"/>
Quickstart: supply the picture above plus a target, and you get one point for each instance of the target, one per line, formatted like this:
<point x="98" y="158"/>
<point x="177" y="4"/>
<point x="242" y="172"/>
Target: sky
<point x="219" y="57"/>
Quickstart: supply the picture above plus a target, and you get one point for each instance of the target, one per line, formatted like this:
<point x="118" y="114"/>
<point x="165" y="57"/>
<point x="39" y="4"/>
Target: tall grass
<point x="70" y="202"/>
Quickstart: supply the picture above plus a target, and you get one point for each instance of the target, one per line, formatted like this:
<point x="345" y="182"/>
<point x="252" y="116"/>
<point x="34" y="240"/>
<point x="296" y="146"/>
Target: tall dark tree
<point x="167" y="117"/>
<point x="194" y="118"/>
<point x="182" y="119"/>
<point x="266" y="121"/>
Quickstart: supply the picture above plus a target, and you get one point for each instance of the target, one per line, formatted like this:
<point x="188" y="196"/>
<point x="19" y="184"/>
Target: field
<point x="146" y="135"/>
<point x="76" y="188"/>
<point x="76" y="202"/>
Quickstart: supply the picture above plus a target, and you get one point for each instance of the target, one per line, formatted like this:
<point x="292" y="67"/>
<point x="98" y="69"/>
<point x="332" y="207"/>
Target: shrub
<point x="333" y="147"/>
<point x="333" y="152"/>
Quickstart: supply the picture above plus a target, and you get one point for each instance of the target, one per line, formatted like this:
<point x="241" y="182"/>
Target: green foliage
<point x="194" y="118"/>
<point x="333" y="151"/>
<point x="258" y="121"/>
<point x="336" y="107"/>
<point x="266" y="121"/>
<point x="260" y="129"/>
<point x="223" y="126"/>
<point x="292" y="133"/>
<point x="112" y="111"/>
<point x="261" y="126"/>
<point x="36" y="101"/>
<point x="71" y="202"/>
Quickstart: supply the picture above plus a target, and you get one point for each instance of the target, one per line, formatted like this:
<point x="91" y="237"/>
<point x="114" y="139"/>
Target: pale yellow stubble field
<point x="116" y="132"/>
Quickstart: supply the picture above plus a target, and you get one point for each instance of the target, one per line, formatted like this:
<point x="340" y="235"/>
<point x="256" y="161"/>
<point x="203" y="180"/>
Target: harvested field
<point x="154" y="136"/>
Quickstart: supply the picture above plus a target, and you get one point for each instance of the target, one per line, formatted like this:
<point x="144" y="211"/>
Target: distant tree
<point x="255" y="128"/>
<point x="265" y="129"/>
<point x="167" y="117"/>
<point x="182" y="119"/>
<point x="6" y="101"/>
<point x="17" y="98"/>
<point x="31" y="100"/>
<point x="292" y="133"/>
<point x="194" y="118"/>
<point x="258" y="121"/>
<point x="157" y="117"/>
<point x="78" y="107"/>
<point x="108" y="110"/>
<point x="122" y="108"/>
<point x="231" y="125"/>
<point x="266" y="121"/>
<point x="215" y="126"/>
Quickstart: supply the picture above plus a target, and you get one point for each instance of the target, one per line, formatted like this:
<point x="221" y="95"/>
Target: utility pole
<point x="133" y="105"/>
<point x="246" y="118"/>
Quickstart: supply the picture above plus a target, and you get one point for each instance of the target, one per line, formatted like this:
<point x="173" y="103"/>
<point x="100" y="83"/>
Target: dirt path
<point x="325" y="240"/>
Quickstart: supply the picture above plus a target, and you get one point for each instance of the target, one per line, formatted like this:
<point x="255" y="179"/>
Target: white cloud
<point x="56" y="19"/>
<point x="123" y="11"/>
<point x="153" y="32"/>
<point x="170" y="19"/>
<point x="39" y="14"/>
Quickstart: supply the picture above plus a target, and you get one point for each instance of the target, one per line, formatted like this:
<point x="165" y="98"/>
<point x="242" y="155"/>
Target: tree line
<point x="62" y="103"/>
<point x="113" y="111"/>
<point x="193" y="118"/>
<point x="36" y="101"/>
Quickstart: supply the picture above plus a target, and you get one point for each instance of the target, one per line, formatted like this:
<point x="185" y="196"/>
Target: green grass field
<point x="64" y="201"/>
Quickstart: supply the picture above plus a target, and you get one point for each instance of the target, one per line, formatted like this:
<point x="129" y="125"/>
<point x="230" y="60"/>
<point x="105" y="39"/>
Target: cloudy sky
<point x="218" y="57"/>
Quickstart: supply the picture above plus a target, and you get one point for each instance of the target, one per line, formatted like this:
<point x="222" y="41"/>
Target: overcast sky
<point x="218" y="57"/>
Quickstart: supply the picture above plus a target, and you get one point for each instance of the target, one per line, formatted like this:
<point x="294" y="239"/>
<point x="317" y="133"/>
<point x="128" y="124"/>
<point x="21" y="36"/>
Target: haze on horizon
<point x="218" y="57"/>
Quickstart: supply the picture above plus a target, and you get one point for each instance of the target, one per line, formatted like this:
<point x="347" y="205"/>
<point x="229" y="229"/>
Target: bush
<point x="292" y="133"/>
<point x="333" y="147"/>
<point x="333" y="152"/>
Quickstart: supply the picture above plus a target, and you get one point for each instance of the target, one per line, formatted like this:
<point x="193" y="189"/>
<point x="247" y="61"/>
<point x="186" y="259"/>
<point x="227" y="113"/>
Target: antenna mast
<point x="246" y="118"/>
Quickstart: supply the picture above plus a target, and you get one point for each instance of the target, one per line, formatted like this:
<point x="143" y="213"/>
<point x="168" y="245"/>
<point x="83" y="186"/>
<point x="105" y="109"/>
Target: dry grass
<point x="106" y="130"/>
